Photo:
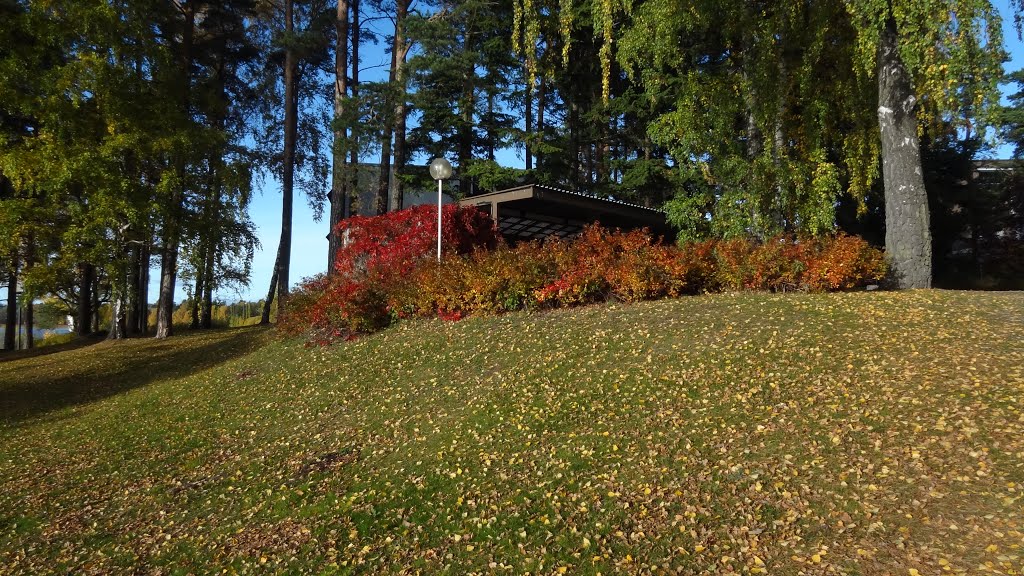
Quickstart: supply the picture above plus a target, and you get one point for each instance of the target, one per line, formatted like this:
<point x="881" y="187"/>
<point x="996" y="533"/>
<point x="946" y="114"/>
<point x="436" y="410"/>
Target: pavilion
<point x="535" y="211"/>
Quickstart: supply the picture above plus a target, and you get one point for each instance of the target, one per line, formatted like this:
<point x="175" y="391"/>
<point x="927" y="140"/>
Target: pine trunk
<point x="907" y="234"/>
<point x="142" y="294"/>
<point x="353" y="159"/>
<point x="541" y="95"/>
<point x="11" y="322"/>
<point x="291" y="114"/>
<point x="339" y="185"/>
<point x="401" y="49"/>
<point x="528" y="123"/>
<point x="384" y="176"/>
<point x="30" y="320"/>
<point x="269" y="301"/>
<point x="96" y="303"/>
<point x="206" y="318"/>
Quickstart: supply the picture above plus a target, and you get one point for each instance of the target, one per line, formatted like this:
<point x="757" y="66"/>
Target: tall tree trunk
<point x="269" y="301"/>
<point x="907" y="235"/>
<point x="11" y="322"/>
<point x="118" y="319"/>
<point x="339" y="183"/>
<point x="541" y="95"/>
<point x="384" y="176"/>
<point x="121" y="290"/>
<point x="131" y="304"/>
<point x="83" y="320"/>
<point x="491" y="136"/>
<point x="168" y="277"/>
<point x="197" y="292"/>
<point x="353" y="160"/>
<point x="528" y="123"/>
<point x="466" y="109"/>
<point x="30" y="320"/>
<point x="142" y="296"/>
<point x="291" y="97"/>
<point x="206" y="318"/>
<point x="172" y="230"/>
<point x="96" y="304"/>
<point x="401" y="49"/>
<point x="574" y="144"/>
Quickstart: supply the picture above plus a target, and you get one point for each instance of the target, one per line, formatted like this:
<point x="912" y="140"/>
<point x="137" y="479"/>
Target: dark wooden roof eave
<point x="572" y="205"/>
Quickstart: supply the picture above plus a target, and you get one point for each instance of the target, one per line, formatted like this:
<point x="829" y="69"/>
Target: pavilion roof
<point x="535" y="211"/>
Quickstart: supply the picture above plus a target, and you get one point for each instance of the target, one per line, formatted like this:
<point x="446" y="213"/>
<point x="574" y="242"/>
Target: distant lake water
<point x="39" y="333"/>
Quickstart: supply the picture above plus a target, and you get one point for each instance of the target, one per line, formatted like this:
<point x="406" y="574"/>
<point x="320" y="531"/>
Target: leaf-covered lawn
<point x="866" y="433"/>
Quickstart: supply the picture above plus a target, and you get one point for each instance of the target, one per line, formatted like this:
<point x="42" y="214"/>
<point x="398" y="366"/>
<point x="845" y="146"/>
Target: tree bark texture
<point x="269" y="301"/>
<point x="200" y="287"/>
<point x="384" y="177"/>
<point x="172" y="229"/>
<point x="11" y="322"/>
<point x="118" y="321"/>
<point x="141" y="324"/>
<point x="95" y="302"/>
<point x="206" y="318"/>
<point x="168" y="277"/>
<point x="541" y="96"/>
<point x="291" y="114"/>
<point x="353" y="160"/>
<point x="401" y="49"/>
<point x="339" y="184"/>
<point x="30" y="320"/>
<point x="30" y="309"/>
<point x="83" y="320"/>
<point x="131" y="305"/>
<point x="528" y="123"/>
<point x="907" y="235"/>
<point x="121" y="293"/>
<point x="466" y="109"/>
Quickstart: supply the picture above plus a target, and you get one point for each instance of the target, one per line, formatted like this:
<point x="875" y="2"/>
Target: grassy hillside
<point x="842" y="433"/>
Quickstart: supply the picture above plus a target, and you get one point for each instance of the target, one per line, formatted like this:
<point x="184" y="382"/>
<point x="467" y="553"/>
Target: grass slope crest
<point x="849" y="433"/>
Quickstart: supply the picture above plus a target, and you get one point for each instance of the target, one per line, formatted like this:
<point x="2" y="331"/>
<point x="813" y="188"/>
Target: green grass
<point x="863" y="433"/>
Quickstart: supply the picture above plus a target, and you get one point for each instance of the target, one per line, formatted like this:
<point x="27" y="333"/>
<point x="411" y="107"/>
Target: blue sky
<point x="309" y="242"/>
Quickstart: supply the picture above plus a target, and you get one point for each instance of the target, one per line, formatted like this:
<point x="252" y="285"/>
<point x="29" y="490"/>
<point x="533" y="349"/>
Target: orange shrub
<point x="599" y="265"/>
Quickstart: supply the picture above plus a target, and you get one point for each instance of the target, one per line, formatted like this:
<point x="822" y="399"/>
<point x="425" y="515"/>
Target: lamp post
<point x="440" y="170"/>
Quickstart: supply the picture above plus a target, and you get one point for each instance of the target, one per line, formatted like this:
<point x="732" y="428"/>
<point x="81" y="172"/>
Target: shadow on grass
<point x="32" y="386"/>
<point x="78" y="342"/>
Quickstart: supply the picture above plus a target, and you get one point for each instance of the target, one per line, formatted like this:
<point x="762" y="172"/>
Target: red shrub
<point x="380" y="254"/>
<point x="395" y="242"/>
<point x="387" y="271"/>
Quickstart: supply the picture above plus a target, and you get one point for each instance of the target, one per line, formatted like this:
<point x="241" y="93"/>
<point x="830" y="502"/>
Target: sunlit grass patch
<point x="858" y="433"/>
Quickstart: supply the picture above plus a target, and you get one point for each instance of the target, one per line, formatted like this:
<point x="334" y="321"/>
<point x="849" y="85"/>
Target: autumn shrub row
<point x="387" y="272"/>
